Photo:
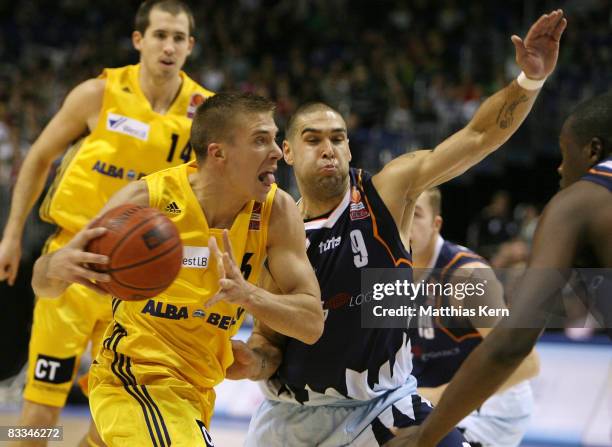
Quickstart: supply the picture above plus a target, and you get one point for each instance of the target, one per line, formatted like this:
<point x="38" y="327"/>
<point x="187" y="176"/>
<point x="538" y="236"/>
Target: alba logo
<point x="329" y="244"/>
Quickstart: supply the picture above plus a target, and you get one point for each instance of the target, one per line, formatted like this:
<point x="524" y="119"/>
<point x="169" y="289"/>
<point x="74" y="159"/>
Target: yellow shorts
<point x="61" y="330"/>
<point x="143" y="405"/>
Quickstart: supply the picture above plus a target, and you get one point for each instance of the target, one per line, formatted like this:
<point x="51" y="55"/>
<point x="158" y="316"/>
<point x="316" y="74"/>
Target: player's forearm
<point x="41" y="283"/>
<point x="271" y="356"/>
<point x="528" y="369"/>
<point x="30" y="183"/>
<point x="502" y="114"/>
<point x="479" y="377"/>
<point x="299" y="315"/>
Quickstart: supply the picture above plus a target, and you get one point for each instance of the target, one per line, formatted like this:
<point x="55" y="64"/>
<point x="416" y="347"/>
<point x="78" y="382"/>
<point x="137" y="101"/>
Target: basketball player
<point x="354" y="385"/>
<point x="440" y="345"/>
<point x="152" y="382"/>
<point x="137" y="119"/>
<point x="574" y="230"/>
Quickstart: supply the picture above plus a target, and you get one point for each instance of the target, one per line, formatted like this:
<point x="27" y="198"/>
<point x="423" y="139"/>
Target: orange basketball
<point x="144" y="249"/>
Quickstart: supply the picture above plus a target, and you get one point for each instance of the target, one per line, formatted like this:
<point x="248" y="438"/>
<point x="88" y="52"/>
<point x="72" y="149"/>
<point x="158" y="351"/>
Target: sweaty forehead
<point x="320" y="121"/>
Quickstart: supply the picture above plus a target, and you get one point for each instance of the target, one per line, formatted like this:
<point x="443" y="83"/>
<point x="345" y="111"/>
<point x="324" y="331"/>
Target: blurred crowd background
<point x="405" y="74"/>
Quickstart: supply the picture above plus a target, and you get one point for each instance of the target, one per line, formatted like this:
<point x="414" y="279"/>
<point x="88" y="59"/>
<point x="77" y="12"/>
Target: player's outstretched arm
<point x="70" y="122"/>
<point x="54" y="272"/>
<point x="405" y="177"/>
<point x="563" y="227"/>
<point x="296" y="311"/>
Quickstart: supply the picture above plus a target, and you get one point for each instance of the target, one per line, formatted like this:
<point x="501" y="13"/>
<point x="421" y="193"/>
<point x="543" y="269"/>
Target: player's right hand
<point x="71" y="263"/>
<point x="10" y="255"/>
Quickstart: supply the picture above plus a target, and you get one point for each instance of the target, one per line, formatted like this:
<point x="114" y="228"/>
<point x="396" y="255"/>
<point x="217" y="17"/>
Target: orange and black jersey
<point x="359" y="233"/>
<point x="601" y="174"/>
<point x="440" y="345"/>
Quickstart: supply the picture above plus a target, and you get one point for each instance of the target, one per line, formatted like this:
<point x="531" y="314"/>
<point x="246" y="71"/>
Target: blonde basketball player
<point x="152" y="382"/>
<point x="137" y="119"/>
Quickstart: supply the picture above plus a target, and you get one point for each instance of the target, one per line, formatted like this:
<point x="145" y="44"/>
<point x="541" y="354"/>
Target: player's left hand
<point x="233" y="288"/>
<point x="247" y="362"/>
<point x="537" y="54"/>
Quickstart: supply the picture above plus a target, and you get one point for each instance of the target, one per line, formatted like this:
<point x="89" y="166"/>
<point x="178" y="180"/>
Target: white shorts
<point x="363" y="424"/>
<point x="502" y="420"/>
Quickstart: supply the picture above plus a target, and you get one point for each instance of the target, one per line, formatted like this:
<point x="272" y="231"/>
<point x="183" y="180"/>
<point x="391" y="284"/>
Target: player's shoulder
<point x="89" y="91"/>
<point x="578" y="202"/>
<point x="283" y="204"/>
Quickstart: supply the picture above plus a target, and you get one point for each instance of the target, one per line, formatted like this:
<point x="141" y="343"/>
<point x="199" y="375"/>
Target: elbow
<point x="315" y="330"/>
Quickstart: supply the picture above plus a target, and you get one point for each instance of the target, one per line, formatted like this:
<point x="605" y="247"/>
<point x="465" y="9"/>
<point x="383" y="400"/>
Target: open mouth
<point x="267" y="178"/>
<point x="167" y="63"/>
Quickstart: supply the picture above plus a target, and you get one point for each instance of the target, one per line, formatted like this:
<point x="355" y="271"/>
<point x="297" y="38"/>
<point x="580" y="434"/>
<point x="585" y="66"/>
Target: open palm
<point x="537" y="54"/>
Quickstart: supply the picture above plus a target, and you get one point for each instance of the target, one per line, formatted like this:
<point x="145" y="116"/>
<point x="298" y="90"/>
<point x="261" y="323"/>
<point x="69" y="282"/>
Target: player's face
<point x="166" y="43"/>
<point x="425" y="225"/>
<point x="574" y="163"/>
<point x="252" y="155"/>
<point x="319" y="152"/>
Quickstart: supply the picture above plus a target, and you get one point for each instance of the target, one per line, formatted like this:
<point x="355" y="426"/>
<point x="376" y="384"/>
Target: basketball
<point x="144" y="249"/>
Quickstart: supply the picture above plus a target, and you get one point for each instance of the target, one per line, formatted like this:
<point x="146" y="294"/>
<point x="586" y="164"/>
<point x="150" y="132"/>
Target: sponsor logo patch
<point x="127" y="126"/>
<point x="195" y="100"/>
<point x="357" y="208"/>
<point x="54" y="370"/>
<point x="195" y="257"/>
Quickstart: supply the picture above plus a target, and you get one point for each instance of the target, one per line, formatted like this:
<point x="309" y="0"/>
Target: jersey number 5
<point x="245" y="267"/>
<point x="185" y="153"/>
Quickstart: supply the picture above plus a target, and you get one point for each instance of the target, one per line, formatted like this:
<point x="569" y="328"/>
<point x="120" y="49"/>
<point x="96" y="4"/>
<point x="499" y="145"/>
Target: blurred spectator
<point x="493" y="226"/>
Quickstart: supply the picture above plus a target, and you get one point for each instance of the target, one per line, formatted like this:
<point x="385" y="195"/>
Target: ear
<point x="287" y="153"/>
<point x="137" y="40"/>
<point x="438" y="223"/>
<point x="216" y="152"/>
<point x="350" y="155"/>
<point x="191" y="44"/>
<point x="595" y="150"/>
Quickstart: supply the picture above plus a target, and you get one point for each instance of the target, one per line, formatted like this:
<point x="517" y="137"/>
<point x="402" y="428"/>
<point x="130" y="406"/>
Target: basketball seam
<point x="129" y="233"/>
<point x="122" y="284"/>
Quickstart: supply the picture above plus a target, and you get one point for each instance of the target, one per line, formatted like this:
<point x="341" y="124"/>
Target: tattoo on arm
<point x="506" y="114"/>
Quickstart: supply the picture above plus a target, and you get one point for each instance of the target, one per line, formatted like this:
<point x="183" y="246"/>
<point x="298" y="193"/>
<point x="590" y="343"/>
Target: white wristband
<point x="529" y="84"/>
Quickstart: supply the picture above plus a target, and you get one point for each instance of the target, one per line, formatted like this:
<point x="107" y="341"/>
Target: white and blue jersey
<point x="354" y="384"/>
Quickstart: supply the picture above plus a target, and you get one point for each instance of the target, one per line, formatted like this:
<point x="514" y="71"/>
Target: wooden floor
<point x="75" y="422"/>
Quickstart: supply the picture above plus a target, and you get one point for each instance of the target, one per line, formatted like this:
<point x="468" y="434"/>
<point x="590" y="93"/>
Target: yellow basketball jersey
<point x="129" y="141"/>
<point x="174" y="332"/>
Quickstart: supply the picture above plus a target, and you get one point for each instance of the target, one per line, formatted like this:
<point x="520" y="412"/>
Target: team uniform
<point x="598" y="283"/>
<point x="152" y="382"/>
<point x="129" y="141"/>
<point x="355" y="383"/>
<point x="439" y="347"/>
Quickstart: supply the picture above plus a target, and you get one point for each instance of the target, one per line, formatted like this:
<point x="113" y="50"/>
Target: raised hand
<point x="537" y="54"/>
<point x="71" y="263"/>
<point x="233" y="288"/>
<point x="10" y="255"/>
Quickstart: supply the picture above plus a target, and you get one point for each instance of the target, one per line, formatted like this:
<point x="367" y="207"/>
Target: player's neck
<point x="314" y="202"/>
<point x="311" y="207"/>
<point x="160" y="92"/>
<point x="423" y="259"/>
<point x="219" y="206"/>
